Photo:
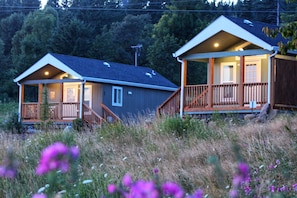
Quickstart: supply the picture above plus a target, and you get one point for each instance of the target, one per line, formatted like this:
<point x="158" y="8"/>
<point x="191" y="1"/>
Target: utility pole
<point x="137" y="52"/>
<point x="277" y="13"/>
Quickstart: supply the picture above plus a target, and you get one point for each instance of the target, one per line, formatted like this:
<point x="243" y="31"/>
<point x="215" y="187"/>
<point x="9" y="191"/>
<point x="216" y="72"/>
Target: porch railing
<point x="108" y="115"/>
<point x="91" y="116"/>
<point x="57" y="111"/>
<point x="171" y="105"/>
<point x="224" y="95"/>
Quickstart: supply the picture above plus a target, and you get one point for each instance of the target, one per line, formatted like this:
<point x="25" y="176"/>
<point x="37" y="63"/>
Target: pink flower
<point x="56" y="157"/>
<point x="8" y="172"/>
<point x="127" y="180"/>
<point x="172" y="189"/>
<point x="294" y="186"/>
<point x="197" y="194"/>
<point x="243" y="170"/>
<point x="39" y="195"/>
<point x="74" y="152"/>
<point x="111" y="188"/>
<point x="272" y="189"/>
<point x="143" y="189"/>
<point x="233" y="193"/>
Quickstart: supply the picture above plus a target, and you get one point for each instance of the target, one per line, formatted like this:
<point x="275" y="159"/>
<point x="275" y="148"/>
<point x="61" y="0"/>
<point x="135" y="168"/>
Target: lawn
<point x="189" y="152"/>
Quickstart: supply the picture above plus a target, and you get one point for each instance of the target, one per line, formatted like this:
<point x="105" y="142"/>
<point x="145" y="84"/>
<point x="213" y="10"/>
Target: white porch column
<point x="182" y="87"/>
<point x="20" y="102"/>
<point x="81" y="100"/>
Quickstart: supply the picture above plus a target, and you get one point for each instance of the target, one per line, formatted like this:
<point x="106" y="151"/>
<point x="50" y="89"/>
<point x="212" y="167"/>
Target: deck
<point x="64" y="113"/>
<point x="222" y="98"/>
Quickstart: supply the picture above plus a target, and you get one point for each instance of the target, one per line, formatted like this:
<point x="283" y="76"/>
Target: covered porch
<point x="239" y="96"/>
<point x="60" y="101"/>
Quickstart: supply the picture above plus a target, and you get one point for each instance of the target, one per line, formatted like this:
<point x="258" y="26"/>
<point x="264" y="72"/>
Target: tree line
<point x="106" y="30"/>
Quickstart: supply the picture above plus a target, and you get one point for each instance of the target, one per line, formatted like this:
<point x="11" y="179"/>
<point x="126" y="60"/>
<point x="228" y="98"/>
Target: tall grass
<point x="190" y="152"/>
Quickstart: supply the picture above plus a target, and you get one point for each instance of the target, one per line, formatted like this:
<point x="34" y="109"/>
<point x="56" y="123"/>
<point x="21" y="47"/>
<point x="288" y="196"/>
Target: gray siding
<point x="135" y="100"/>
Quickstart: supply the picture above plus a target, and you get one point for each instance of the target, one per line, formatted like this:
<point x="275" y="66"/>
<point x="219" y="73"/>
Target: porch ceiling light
<point x="46" y="73"/>
<point x="216" y="44"/>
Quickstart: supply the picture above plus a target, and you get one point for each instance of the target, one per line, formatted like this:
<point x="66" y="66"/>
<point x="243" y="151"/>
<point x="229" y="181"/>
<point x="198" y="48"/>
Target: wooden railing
<point x="171" y="105"/>
<point x="91" y="117"/>
<point x="108" y="115"/>
<point x="196" y="97"/>
<point x="255" y="92"/>
<point x="57" y="111"/>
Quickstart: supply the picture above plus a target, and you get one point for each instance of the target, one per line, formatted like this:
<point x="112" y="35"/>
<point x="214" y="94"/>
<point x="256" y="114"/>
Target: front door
<point x="251" y="78"/>
<point x="70" y="101"/>
<point x="228" y="78"/>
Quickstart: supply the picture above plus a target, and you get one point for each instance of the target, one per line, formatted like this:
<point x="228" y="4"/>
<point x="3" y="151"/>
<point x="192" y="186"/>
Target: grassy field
<point x="192" y="153"/>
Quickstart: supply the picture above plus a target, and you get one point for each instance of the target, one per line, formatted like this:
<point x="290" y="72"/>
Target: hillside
<point x="190" y="152"/>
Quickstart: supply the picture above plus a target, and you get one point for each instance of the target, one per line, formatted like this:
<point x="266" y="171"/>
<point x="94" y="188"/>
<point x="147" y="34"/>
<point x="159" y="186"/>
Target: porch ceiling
<point x="225" y="42"/>
<point x="41" y="73"/>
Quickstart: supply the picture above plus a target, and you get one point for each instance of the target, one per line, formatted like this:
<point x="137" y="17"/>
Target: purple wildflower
<point x="127" y="180"/>
<point x="233" y="193"/>
<point x="197" y="194"/>
<point x="39" y="195"/>
<point x="243" y="169"/>
<point x="172" y="189"/>
<point x="294" y="186"/>
<point x="8" y="172"/>
<point x="56" y="157"/>
<point x="143" y="189"/>
<point x="272" y="189"/>
<point x="111" y="188"/>
<point x="9" y="167"/>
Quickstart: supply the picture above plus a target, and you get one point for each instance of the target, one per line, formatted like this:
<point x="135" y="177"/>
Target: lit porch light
<point x="46" y="73"/>
<point x="216" y="44"/>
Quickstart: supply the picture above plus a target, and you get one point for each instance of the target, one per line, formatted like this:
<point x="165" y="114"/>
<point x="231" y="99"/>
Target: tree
<point x="172" y="31"/>
<point x="73" y="37"/>
<point x="34" y="39"/>
<point x="114" y="43"/>
<point x="9" y="26"/>
<point x="288" y="30"/>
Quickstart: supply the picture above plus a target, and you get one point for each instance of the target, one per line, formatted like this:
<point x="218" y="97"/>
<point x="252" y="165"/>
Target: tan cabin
<point x="244" y="71"/>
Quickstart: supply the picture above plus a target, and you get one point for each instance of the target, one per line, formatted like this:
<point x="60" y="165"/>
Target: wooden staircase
<point x="92" y="118"/>
<point x="172" y="105"/>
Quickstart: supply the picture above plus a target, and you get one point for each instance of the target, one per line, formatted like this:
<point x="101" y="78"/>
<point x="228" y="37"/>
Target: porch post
<point x="21" y="100"/>
<point x="61" y="102"/>
<point x="210" y="82"/>
<point x="182" y="86"/>
<point x="40" y="88"/>
<point x="241" y="81"/>
<point x="82" y="91"/>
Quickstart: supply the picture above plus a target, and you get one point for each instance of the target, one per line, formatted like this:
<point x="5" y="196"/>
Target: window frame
<point x="118" y="101"/>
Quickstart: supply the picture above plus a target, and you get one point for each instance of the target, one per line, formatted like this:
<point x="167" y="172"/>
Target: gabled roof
<point x="232" y="30"/>
<point x="100" y="71"/>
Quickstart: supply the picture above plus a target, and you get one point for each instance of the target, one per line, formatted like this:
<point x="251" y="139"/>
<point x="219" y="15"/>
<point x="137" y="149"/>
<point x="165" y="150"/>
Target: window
<point x="117" y="96"/>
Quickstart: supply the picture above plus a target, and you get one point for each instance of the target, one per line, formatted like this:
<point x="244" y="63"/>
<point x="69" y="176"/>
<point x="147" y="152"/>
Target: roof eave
<point x="47" y="59"/>
<point x="222" y="24"/>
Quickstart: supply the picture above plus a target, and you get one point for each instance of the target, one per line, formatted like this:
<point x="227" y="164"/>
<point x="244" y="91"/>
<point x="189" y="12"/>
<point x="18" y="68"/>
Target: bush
<point x="12" y="124"/>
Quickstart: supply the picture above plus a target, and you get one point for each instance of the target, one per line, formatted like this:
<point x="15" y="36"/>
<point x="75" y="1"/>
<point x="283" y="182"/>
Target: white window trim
<point x="117" y="103"/>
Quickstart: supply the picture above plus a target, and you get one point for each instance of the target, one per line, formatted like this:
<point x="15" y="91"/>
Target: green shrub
<point x="12" y="124"/>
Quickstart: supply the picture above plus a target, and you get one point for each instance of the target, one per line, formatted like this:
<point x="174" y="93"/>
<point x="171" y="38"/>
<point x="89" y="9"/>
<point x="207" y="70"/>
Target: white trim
<point x="234" y="71"/>
<point x="118" y="82"/>
<point x="117" y="103"/>
<point x="44" y="61"/>
<point x="222" y="24"/>
<point x="227" y="54"/>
